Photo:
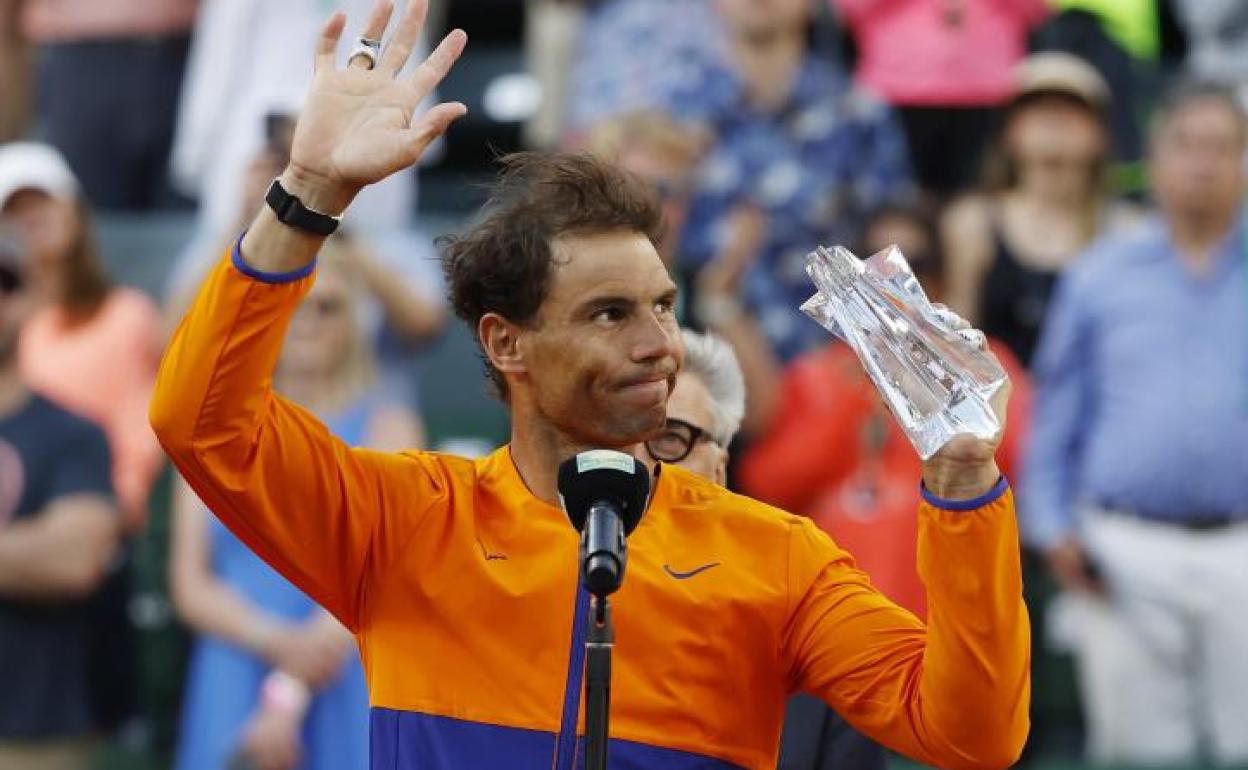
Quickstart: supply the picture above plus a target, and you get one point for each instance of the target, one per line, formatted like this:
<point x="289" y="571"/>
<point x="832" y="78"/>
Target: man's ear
<point x="721" y="468"/>
<point x="500" y="339"/>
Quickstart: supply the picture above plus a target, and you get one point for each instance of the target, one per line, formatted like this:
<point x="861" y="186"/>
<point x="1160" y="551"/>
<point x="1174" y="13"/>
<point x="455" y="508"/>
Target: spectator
<point x="58" y="534"/>
<point x="250" y="620"/>
<point x="798" y="156"/>
<point x="109" y="75"/>
<point x="1043" y="202"/>
<point x="664" y="153"/>
<point x="83" y="326"/>
<point x="609" y="76"/>
<point x="834" y="453"/>
<point x="704" y="413"/>
<point x="1217" y="39"/>
<point x="946" y="65"/>
<point x="1137" y="478"/>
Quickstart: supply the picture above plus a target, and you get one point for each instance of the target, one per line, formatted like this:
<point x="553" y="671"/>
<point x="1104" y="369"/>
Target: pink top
<point x="55" y="21"/>
<point x="957" y="53"/>
<point x="104" y="370"/>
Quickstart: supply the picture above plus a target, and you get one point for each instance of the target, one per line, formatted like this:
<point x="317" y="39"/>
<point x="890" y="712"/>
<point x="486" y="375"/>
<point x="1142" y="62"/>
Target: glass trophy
<point x="936" y="382"/>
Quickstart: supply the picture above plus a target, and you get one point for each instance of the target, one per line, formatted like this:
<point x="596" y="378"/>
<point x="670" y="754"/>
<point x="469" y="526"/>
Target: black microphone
<point x="604" y="494"/>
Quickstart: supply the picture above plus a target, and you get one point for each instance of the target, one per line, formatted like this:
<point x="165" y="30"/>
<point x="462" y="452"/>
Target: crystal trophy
<point x="936" y="382"/>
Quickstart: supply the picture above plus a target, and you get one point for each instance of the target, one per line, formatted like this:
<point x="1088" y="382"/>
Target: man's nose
<point x="656" y="339"/>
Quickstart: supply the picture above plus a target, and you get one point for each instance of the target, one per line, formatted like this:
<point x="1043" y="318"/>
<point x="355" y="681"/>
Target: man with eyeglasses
<point x="58" y="533"/>
<point x="704" y="414"/>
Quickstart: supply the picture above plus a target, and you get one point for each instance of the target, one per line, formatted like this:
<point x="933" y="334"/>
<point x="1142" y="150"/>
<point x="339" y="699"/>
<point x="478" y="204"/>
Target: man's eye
<point x="609" y="314"/>
<point x="664" y="306"/>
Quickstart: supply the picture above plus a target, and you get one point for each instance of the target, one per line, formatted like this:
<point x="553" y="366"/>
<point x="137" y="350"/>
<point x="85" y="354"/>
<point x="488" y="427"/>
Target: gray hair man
<point x="705" y="409"/>
<point x="704" y="414"/>
<point x="1137" y="475"/>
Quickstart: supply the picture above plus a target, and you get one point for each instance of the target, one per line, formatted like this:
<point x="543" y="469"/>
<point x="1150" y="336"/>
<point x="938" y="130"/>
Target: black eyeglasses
<point x="10" y="280"/>
<point x="676" y="441"/>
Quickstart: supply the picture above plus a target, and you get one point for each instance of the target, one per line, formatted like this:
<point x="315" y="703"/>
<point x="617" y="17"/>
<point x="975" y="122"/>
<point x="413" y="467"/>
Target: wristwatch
<point x="291" y="211"/>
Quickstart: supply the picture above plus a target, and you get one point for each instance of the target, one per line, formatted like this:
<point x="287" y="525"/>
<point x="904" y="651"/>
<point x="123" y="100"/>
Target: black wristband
<point x="291" y="211"/>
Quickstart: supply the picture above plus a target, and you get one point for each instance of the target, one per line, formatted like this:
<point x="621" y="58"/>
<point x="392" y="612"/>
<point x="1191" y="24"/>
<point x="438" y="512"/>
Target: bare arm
<point x="61" y="553"/>
<point x="719" y="309"/>
<point x="966" y="235"/>
<point x="205" y="603"/>
<point x="412" y="315"/>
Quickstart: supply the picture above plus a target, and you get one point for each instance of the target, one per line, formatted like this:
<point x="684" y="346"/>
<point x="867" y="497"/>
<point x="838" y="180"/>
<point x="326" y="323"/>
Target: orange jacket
<point x="461" y="588"/>
<point x="835" y="454"/>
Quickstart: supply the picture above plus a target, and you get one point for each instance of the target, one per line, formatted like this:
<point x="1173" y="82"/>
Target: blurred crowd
<point x="1068" y="175"/>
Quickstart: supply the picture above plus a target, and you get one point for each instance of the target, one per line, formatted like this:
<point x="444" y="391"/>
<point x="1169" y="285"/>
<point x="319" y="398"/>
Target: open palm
<point x="359" y="125"/>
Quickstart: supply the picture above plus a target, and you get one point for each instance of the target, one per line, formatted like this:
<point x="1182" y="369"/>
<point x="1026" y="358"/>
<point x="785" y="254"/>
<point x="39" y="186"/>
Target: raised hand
<point x="359" y="124"/>
<point x="966" y="466"/>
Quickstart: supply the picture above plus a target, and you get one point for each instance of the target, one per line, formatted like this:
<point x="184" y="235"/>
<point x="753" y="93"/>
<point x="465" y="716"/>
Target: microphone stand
<point x="598" y="646"/>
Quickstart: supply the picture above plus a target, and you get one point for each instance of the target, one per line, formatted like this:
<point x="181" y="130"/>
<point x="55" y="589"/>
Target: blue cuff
<point x="294" y="275"/>
<point x="990" y="496"/>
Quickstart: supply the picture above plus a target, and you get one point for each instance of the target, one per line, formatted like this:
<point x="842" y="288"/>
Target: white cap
<point x="34" y="166"/>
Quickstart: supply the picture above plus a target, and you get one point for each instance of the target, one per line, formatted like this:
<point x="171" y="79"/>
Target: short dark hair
<point x="1183" y="93"/>
<point x="502" y="263"/>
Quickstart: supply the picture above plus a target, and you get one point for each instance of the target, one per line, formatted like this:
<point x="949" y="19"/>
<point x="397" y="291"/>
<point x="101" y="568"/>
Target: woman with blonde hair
<point x="275" y="682"/>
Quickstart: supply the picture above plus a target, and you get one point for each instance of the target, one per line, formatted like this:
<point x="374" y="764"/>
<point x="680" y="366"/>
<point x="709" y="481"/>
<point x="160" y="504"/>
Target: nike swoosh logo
<point x="690" y="573"/>
<point x="490" y="556"/>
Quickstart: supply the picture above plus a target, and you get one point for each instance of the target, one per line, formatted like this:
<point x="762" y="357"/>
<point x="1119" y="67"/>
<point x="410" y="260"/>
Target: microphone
<point x="604" y="494"/>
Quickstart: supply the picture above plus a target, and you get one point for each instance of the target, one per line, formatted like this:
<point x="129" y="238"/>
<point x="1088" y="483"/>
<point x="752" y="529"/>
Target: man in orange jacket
<point x="459" y="577"/>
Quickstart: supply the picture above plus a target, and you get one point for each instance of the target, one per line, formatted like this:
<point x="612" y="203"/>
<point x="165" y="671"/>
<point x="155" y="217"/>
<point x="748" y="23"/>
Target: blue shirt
<point x="1141" y="386"/>
<point x="830" y="154"/>
<point x="636" y="54"/>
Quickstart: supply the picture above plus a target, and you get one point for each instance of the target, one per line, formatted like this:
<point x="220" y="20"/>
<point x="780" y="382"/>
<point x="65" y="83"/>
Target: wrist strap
<point x="291" y="211"/>
<point x="283" y="692"/>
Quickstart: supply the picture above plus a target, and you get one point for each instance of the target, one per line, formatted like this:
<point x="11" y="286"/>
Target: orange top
<point x="56" y="21"/>
<point x="461" y="587"/>
<point x="835" y="454"/>
<point x="103" y="370"/>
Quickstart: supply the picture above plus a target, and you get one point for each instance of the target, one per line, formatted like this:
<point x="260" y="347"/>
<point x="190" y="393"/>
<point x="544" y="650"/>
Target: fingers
<point x="432" y="125"/>
<point x="437" y="64"/>
<point x="327" y="43"/>
<point x="374" y="29"/>
<point x="405" y="36"/>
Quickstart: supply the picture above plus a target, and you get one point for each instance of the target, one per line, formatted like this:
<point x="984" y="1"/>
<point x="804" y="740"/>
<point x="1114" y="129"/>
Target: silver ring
<point x="368" y="48"/>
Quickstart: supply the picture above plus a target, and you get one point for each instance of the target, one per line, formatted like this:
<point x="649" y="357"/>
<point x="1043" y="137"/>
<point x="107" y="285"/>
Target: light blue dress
<point x="223" y="681"/>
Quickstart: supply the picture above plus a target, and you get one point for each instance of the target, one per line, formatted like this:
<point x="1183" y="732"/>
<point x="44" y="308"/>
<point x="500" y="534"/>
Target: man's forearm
<point x="273" y="247"/>
<point x="410" y="314"/>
